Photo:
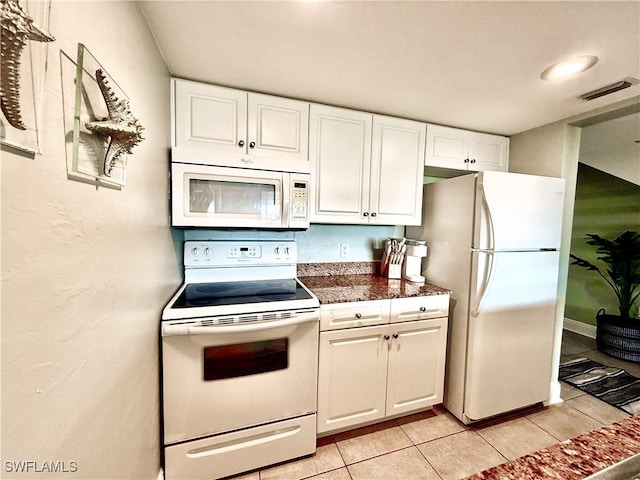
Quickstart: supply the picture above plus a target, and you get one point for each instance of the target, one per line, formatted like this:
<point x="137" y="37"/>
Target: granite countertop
<point x="357" y="282"/>
<point x="573" y="459"/>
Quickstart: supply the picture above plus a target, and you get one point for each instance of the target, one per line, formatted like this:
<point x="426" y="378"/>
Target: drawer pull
<point x="423" y="309"/>
<point x="358" y="315"/>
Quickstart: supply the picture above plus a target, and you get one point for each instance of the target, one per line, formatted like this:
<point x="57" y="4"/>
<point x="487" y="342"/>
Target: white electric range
<point x="239" y="360"/>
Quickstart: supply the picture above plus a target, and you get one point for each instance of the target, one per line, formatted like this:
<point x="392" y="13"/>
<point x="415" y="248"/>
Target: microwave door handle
<point x="286" y="199"/>
<point x="175" y="330"/>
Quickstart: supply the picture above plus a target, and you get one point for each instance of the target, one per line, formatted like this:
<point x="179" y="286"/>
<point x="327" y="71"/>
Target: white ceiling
<point x="473" y="65"/>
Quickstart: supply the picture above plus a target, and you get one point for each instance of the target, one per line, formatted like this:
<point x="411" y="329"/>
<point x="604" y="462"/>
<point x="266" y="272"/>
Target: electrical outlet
<point x="344" y="250"/>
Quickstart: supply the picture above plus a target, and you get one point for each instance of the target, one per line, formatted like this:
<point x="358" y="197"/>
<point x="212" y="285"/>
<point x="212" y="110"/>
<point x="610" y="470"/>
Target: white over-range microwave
<point x="228" y="197"/>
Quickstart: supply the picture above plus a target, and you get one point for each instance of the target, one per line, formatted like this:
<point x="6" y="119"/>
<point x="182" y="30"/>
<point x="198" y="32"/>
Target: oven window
<point x="233" y="198"/>
<point x="240" y="359"/>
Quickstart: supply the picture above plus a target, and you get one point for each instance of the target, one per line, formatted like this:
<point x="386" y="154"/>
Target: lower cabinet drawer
<point x="236" y="452"/>
<point x="419" y="308"/>
<point x="354" y="314"/>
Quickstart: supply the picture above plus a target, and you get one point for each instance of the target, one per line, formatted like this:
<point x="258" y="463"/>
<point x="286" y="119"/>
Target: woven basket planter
<point x="618" y="336"/>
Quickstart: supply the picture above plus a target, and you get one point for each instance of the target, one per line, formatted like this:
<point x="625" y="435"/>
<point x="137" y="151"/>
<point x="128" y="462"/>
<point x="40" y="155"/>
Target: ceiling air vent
<point x="606" y="90"/>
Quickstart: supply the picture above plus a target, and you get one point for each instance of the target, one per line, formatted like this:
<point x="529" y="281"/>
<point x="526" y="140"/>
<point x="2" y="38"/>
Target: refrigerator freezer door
<point x="511" y="325"/>
<point x="518" y="212"/>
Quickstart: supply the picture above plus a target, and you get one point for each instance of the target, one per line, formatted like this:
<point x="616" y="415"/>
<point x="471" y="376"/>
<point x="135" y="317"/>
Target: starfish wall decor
<point x="16" y="29"/>
<point x="122" y="128"/>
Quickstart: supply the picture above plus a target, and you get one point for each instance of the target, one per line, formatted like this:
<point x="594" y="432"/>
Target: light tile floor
<point x="434" y="445"/>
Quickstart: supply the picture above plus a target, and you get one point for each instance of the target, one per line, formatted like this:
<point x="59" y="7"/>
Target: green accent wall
<point x="606" y="205"/>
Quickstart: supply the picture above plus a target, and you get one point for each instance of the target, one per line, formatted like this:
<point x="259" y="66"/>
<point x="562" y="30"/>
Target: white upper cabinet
<point x="222" y="126"/>
<point x="340" y="157"/>
<point x="465" y="150"/>
<point x="397" y="165"/>
<point x="366" y="169"/>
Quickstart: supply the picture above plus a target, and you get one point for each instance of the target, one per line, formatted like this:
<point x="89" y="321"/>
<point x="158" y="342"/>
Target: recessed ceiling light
<point x="569" y="67"/>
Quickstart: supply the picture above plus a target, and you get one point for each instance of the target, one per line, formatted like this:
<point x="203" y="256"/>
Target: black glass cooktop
<point x="234" y="293"/>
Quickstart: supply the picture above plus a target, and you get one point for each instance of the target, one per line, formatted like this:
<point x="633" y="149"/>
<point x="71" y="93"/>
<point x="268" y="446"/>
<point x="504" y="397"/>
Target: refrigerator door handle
<point x="486" y="278"/>
<point x="487" y="219"/>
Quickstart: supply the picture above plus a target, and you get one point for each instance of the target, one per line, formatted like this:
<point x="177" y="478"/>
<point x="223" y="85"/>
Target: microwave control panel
<point x="299" y="200"/>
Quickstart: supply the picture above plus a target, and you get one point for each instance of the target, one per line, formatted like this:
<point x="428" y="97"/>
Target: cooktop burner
<point x="242" y="292"/>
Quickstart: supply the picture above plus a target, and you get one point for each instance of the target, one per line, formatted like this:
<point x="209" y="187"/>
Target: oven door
<point x="207" y="196"/>
<point x="221" y="378"/>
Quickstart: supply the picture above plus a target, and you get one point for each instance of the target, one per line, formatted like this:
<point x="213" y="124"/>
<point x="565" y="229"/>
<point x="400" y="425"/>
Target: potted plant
<point x="618" y="335"/>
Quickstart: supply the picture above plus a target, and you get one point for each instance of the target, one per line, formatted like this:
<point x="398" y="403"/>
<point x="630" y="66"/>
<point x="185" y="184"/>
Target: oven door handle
<point x="174" y="330"/>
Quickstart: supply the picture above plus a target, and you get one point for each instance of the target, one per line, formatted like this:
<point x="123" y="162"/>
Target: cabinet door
<point x="446" y="147"/>
<point x="352" y="377"/>
<point x="278" y="133"/>
<point x="209" y="123"/>
<point x="488" y="152"/>
<point x="397" y="164"/>
<point x="465" y="150"/>
<point x="340" y="155"/>
<point x="416" y="365"/>
<point x="337" y="316"/>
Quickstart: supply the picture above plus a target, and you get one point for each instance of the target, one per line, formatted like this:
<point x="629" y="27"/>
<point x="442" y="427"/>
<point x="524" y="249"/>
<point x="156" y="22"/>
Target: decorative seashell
<point x="16" y="28"/>
<point x="122" y="128"/>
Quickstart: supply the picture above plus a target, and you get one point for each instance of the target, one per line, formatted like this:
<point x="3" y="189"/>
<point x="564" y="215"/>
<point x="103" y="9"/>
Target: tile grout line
<point x="427" y="460"/>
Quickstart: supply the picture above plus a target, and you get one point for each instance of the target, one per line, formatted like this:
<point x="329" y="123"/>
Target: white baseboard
<point x="554" y="394"/>
<point x="579" y="327"/>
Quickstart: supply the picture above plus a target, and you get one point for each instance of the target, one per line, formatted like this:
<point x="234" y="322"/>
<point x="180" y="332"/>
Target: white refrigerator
<point x="494" y="241"/>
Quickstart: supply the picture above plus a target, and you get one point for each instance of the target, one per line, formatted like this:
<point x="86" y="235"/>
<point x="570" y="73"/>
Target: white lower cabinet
<point x="369" y="373"/>
<point x="415" y="371"/>
<point x="352" y="377"/>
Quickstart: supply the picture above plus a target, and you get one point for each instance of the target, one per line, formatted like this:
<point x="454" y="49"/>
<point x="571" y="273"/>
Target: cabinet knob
<point x="423" y="309"/>
<point x="387" y="337"/>
<point x="373" y="214"/>
<point x="365" y="214"/>
<point x="252" y="144"/>
<point x="473" y="160"/>
<point x="466" y="160"/>
<point x="241" y="143"/>
<point x="395" y="335"/>
<point x="358" y="315"/>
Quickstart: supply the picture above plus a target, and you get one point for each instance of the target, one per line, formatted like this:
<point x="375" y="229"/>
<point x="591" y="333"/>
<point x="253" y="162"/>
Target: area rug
<point x="573" y="459"/>
<point x="609" y="384"/>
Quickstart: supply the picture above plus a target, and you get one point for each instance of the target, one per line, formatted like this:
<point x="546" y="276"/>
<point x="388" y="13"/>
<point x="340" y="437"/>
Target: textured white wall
<point x="538" y="151"/>
<point x="86" y="272"/>
<point x="613" y="147"/>
<point x="552" y="150"/>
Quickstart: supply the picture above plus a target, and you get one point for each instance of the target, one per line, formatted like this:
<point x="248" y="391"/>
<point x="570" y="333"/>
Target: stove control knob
<point x="194" y="251"/>
<point x="206" y="251"/>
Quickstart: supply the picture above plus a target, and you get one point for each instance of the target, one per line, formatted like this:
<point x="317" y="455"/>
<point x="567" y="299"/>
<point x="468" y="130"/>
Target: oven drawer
<point x="240" y="451"/>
